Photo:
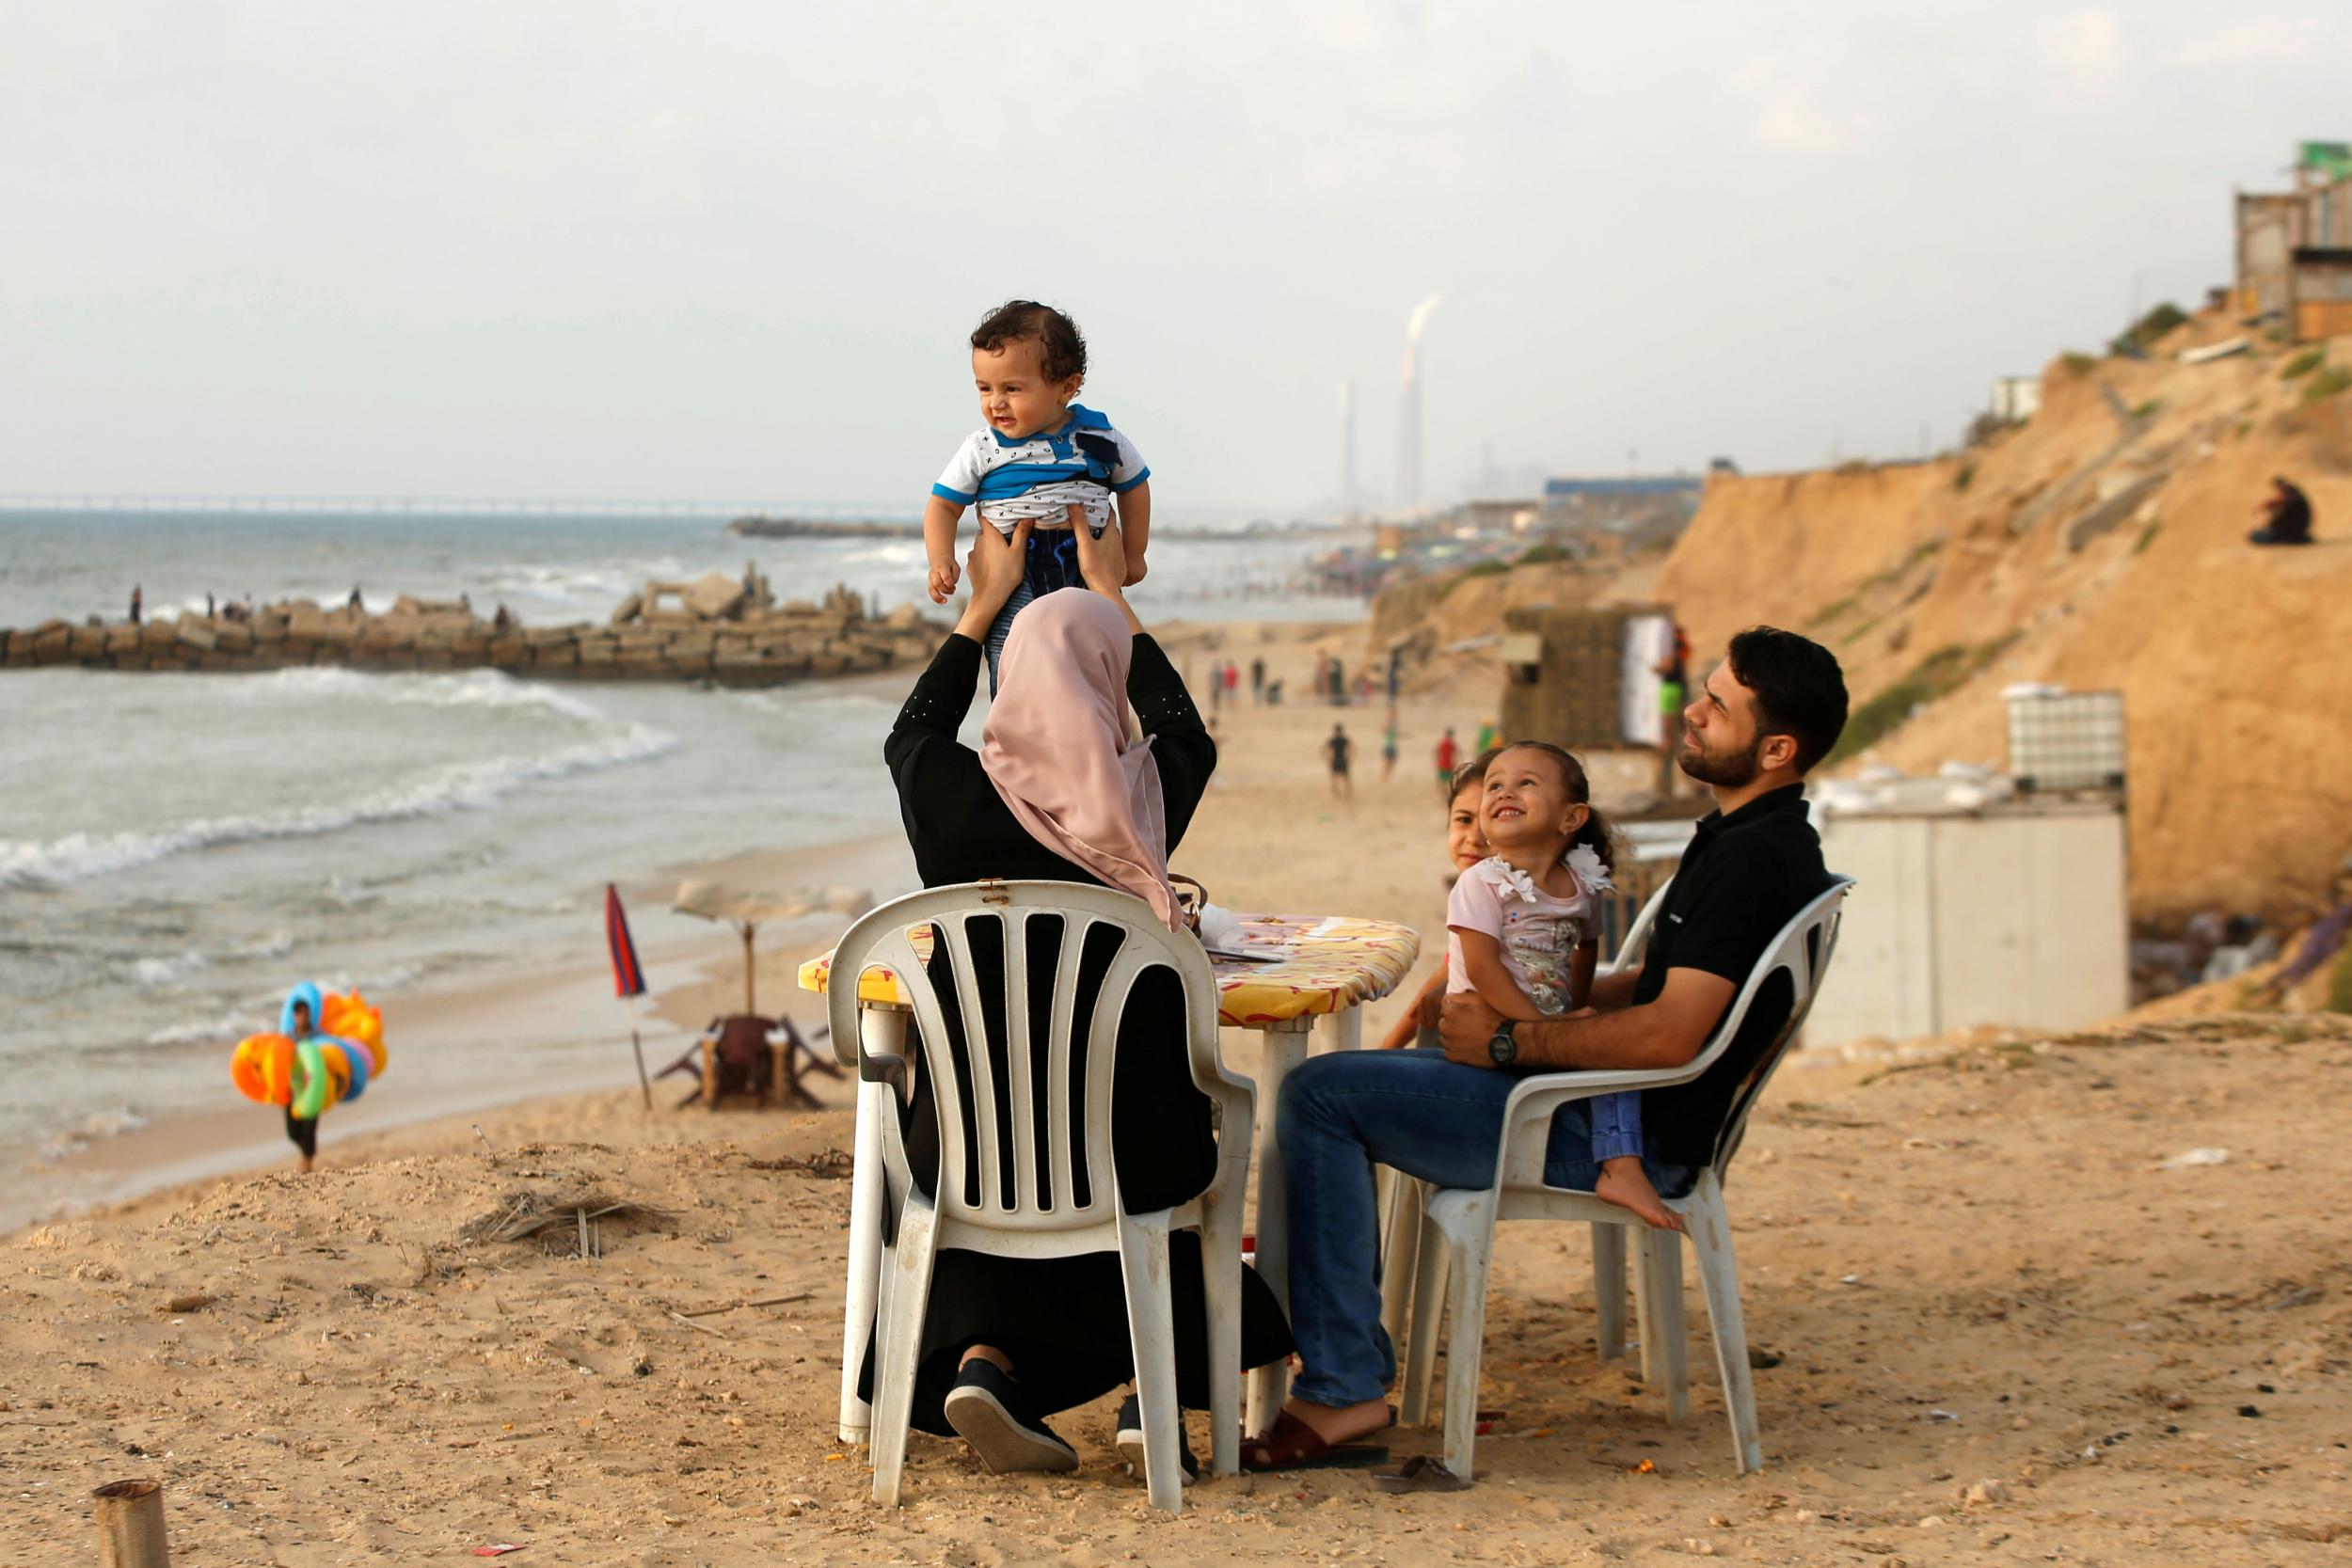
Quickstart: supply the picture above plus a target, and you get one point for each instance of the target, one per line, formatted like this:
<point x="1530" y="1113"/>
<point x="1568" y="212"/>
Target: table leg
<point x="1341" y="1031"/>
<point x="1282" y="1047"/>
<point x="882" y="1030"/>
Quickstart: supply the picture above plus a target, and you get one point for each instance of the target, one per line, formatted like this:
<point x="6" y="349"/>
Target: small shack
<point x="1585" y="678"/>
<point x="2003" y="910"/>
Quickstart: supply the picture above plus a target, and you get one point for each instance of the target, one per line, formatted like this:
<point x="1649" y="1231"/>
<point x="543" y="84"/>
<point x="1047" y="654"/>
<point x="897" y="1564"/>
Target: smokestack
<point x="1347" y="448"/>
<point x="1409" y="410"/>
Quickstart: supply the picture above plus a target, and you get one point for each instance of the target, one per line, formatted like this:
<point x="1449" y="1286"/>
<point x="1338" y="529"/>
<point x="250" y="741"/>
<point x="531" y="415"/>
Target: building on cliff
<point x="2294" y="247"/>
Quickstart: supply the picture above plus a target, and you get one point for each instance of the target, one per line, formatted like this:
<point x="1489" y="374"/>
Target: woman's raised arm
<point x="1103" y="565"/>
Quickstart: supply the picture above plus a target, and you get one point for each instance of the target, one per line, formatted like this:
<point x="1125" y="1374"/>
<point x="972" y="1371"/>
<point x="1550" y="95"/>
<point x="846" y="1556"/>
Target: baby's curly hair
<point x="1061" y="347"/>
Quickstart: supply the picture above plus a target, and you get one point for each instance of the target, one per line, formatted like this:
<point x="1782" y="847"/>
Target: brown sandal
<point x="1291" y="1444"/>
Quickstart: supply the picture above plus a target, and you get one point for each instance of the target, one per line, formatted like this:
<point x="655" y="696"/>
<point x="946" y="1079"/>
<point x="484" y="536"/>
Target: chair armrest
<point x="1527" y="1114"/>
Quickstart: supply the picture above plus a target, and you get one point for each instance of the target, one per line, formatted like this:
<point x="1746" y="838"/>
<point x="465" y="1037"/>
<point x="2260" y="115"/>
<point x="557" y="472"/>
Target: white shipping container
<point x="2013" y="915"/>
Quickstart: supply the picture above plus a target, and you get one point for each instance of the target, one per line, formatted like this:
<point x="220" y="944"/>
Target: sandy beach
<point x="2001" y="1327"/>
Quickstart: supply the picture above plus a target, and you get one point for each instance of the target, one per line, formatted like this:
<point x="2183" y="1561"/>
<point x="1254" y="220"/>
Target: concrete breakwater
<point x="753" y="642"/>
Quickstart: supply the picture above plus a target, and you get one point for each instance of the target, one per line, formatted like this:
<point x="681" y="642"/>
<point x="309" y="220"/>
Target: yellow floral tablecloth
<point x="1312" y="964"/>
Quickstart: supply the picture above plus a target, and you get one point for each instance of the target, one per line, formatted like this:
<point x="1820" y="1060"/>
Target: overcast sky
<point x="734" y="250"/>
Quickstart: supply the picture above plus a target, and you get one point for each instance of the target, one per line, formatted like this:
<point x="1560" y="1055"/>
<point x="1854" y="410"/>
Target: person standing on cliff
<point x="137" y="600"/>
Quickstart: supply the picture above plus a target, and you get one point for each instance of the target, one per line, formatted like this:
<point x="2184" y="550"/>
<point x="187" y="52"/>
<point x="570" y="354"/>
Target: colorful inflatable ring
<point x="336" y="1060"/>
<point x="357" y="1064"/>
<point x="349" y="1017"/>
<point x="263" y="1067"/>
<point x="307" y="994"/>
<point x="312" y="1086"/>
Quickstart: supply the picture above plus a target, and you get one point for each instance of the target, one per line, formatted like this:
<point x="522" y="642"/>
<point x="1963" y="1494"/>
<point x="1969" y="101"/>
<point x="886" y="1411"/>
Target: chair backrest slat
<point x="1803" y="953"/>
<point x="1057" y="1057"/>
<point x="1018" y="1065"/>
<point x="1635" y="942"/>
<point x="981" y="1085"/>
<point x="1001" y="1162"/>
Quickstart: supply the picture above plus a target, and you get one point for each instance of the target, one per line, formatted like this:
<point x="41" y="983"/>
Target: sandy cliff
<point x="2101" y="545"/>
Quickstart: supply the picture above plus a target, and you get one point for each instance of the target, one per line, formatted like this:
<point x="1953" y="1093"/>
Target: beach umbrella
<point x="745" y="908"/>
<point x="629" y="976"/>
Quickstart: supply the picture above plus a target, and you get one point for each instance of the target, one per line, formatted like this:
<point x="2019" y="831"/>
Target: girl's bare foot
<point x="307" y="1164"/>
<point x="1625" y="1183"/>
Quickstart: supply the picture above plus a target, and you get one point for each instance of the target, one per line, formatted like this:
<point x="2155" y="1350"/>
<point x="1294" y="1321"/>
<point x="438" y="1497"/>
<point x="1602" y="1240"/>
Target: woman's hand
<point x="1102" y="561"/>
<point x="995" y="569"/>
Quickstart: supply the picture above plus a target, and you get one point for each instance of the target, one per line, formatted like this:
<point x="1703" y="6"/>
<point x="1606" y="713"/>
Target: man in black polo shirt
<point x="1765" y="716"/>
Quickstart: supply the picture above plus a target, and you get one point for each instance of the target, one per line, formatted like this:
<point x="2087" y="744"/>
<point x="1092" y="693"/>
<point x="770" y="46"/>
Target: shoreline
<point x="553" y="1011"/>
<point x="550" y="1013"/>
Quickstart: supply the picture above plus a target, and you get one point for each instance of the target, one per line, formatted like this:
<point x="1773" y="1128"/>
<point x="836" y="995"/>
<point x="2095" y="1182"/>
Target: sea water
<point x="175" y="850"/>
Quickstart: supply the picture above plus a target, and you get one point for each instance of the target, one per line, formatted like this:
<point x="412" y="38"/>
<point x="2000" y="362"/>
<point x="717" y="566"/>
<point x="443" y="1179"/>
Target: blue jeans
<point x="1341" y="1115"/>
<point x="1050" y="564"/>
<point x="1616" y="1124"/>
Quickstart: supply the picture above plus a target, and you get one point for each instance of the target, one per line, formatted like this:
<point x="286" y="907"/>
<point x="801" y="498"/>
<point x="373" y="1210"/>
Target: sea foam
<point x="459" y="787"/>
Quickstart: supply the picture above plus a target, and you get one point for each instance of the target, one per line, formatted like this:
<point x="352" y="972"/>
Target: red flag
<point x="629" y="976"/>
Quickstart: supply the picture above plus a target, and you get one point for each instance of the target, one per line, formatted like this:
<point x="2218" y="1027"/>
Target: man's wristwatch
<point x="1501" y="1046"/>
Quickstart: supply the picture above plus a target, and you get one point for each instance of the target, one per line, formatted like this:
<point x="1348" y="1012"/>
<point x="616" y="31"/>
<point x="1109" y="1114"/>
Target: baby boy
<point x="1039" y="454"/>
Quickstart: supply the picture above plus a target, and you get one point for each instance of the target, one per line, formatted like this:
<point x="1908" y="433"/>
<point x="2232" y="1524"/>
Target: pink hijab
<point x="1055" y="746"/>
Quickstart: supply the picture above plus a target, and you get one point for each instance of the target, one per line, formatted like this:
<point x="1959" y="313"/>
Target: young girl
<point x="1465" y="846"/>
<point x="1523" y="930"/>
<point x="1040" y="457"/>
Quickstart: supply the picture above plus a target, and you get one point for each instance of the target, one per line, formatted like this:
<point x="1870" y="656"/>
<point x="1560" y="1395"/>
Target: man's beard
<point x="1724" y="770"/>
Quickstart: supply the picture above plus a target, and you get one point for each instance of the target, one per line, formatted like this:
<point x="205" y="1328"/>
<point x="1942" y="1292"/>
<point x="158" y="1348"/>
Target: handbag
<point x="1188" y="905"/>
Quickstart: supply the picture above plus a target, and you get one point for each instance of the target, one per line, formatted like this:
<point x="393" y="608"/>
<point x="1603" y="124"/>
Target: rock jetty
<point x="715" y="628"/>
<point x="802" y="527"/>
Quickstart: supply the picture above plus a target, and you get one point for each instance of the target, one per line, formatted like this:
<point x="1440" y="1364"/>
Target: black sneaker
<point x="1130" y="1441"/>
<point x="989" y="1411"/>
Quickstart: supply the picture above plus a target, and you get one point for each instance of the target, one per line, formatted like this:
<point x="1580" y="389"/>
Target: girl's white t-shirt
<point x="1538" y="933"/>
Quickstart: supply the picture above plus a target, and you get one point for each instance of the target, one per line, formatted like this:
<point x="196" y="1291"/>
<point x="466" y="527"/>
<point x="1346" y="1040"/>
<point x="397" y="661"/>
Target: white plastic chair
<point x="1024" y="1202"/>
<point x="1458" y="1237"/>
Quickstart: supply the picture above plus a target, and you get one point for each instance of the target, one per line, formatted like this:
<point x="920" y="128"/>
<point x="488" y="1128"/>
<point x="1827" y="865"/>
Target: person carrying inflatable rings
<point x="326" y="1050"/>
<point x="302" y="1007"/>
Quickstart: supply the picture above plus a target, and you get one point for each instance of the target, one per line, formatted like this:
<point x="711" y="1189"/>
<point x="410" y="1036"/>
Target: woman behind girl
<point x="1523" y="930"/>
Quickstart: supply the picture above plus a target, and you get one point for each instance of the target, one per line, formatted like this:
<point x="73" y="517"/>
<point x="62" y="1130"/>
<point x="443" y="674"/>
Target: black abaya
<point x="1064" y="1322"/>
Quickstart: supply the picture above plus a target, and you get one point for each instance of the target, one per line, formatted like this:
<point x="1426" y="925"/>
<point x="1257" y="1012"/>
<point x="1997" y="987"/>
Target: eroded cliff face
<point x="2101" y="545"/>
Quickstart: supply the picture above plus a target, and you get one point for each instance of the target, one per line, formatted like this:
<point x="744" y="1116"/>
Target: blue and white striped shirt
<point x="1010" y="479"/>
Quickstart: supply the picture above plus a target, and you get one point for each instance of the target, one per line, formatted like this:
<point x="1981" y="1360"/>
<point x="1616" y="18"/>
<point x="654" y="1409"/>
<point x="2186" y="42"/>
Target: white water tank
<point x="2062" y="742"/>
